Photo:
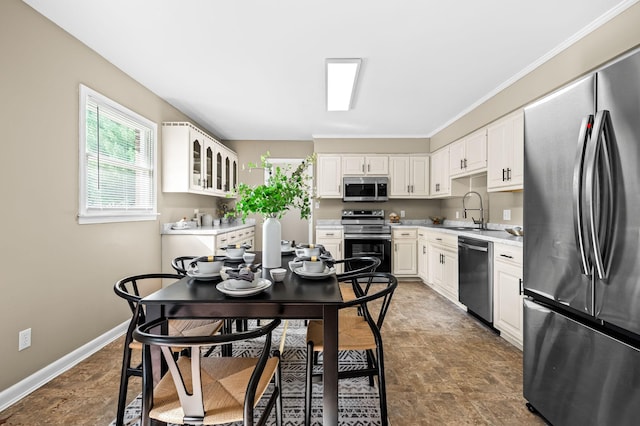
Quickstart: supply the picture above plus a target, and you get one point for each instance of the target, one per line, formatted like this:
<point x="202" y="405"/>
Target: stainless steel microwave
<point x="365" y="188"/>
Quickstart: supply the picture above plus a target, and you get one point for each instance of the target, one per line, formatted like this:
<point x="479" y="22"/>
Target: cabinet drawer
<point x="411" y="233"/>
<point x="450" y="240"/>
<point x="225" y="239"/>
<point x="508" y="254"/>
<point x="328" y="233"/>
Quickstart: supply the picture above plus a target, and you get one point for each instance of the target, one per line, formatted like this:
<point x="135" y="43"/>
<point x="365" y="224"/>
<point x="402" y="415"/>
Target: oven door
<point x="371" y="246"/>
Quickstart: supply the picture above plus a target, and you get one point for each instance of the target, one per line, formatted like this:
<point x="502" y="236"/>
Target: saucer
<point x="262" y="284"/>
<point x="194" y="273"/>
<point x="314" y="275"/>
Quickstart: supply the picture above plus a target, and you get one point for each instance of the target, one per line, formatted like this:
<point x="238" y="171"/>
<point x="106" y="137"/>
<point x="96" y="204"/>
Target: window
<point x="117" y="162"/>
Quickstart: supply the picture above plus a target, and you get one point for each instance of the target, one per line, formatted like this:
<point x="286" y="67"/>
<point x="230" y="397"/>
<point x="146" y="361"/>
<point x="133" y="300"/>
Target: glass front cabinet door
<point x="195" y="162"/>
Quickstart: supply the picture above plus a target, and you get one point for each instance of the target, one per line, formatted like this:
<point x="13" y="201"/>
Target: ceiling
<point x="254" y="69"/>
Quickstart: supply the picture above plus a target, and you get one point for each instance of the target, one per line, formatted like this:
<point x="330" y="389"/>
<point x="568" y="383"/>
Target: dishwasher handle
<point x="470" y="247"/>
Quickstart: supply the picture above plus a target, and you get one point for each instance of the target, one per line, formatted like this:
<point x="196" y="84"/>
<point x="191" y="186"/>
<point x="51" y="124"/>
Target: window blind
<point x="119" y="161"/>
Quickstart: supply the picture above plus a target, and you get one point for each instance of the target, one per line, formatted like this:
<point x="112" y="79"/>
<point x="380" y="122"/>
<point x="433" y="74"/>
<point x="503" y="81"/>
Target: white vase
<point x="271" y="237"/>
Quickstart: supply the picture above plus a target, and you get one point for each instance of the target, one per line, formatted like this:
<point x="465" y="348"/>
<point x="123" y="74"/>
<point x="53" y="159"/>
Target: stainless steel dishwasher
<point x="475" y="275"/>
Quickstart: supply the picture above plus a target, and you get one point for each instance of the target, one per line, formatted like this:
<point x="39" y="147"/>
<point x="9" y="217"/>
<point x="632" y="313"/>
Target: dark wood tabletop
<point x="293" y="298"/>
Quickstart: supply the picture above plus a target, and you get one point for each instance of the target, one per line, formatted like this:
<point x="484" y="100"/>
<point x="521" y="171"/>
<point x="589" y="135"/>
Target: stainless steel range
<point x="366" y="234"/>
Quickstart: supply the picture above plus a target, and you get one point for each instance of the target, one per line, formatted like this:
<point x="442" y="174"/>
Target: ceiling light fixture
<point x="342" y="75"/>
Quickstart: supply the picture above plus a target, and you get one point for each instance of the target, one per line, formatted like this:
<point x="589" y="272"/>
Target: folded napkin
<point x="326" y="258"/>
<point x="241" y="274"/>
<point x="236" y="246"/>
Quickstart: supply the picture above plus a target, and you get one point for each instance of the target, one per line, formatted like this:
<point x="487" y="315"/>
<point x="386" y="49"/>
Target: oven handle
<point x="367" y="237"/>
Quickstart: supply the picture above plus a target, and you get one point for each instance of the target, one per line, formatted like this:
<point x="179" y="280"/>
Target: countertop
<point x="496" y="232"/>
<point x="207" y="230"/>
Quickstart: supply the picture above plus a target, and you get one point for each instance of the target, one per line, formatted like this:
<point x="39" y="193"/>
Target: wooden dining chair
<point x="356" y="332"/>
<point x="132" y="289"/>
<point x="181" y="263"/>
<point x="211" y="390"/>
<point x="353" y="266"/>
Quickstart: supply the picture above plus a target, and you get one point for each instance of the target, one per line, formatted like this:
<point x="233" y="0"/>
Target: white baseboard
<point x="24" y="387"/>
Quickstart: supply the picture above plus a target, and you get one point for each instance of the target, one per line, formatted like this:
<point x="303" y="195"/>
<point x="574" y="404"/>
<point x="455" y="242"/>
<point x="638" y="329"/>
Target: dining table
<point x="295" y="297"/>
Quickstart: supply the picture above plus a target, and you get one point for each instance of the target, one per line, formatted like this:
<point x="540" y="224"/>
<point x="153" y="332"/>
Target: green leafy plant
<point x="286" y="188"/>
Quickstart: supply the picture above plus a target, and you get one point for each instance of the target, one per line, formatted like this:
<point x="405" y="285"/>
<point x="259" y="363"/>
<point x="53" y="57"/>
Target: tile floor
<point x="443" y="368"/>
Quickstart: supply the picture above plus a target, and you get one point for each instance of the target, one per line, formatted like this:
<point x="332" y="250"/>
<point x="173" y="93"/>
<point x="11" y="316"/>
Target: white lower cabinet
<point x="404" y="255"/>
<point x="175" y="245"/>
<point x="507" y="292"/>
<point x="423" y="258"/>
<point x="332" y="241"/>
<point x="442" y="264"/>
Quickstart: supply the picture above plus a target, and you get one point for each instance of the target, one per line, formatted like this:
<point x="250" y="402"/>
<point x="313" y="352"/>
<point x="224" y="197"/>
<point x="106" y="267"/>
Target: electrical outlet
<point x="401" y="213"/>
<point x="457" y="214"/>
<point x="506" y="214"/>
<point x="24" y="339"/>
<point x="317" y="204"/>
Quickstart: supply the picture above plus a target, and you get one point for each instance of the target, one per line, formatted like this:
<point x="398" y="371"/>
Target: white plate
<point x="263" y="284"/>
<point x="194" y="273"/>
<point x="314" y="275"/>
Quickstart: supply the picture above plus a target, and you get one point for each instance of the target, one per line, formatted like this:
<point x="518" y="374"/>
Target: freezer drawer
<point x="575" y="375"/>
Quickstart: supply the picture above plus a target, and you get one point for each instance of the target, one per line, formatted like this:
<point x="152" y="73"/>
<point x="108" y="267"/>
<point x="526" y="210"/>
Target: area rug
<point x="358" y="402"/>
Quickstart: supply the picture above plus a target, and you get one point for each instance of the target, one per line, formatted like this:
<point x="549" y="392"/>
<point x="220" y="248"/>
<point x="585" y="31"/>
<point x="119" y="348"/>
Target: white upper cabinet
<point x="226" y="166"/>
<point x="191" y="161"/>
<point x="329" y="176"/>
<point x="469" y="154"/>
<point x="505" y="139"/>
<point x="440" y="180"/>
<point x="409" y="176"/>
<point x="360" y="165"/>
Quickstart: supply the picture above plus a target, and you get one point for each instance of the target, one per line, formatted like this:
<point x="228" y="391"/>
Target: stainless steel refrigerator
<point x="582" y="250"/>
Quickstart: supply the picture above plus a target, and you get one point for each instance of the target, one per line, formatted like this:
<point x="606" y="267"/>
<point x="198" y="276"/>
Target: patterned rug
<point x="358" y="402"/>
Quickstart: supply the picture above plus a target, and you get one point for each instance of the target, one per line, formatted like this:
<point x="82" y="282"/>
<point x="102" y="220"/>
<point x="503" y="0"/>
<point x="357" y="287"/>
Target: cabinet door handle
<point x="503" y="171"/>
<point x="408" y="190"/>
<point x="424" y="249"/>
<point x="438" y="239"/>
<point x="395" y="247"/>
<point x="368" y="167"/>
<point x="465" y="163"/>
<point x="507" y="256"/>
<point x="521" y="286"/>
<point x="405" y="234"/>
<point x="363" y="168"/>
<point x="412" y="190"/>
<point x="329" y="234"/>
<point x="508" y="174"/>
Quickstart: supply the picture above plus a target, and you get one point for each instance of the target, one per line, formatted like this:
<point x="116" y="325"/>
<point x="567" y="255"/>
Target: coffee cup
<point x="249" y="257"/>
<point x="285" y="245"/>
<point x="210" y="266"/>
<point x="237" y="284"/>
<point x="313" y="266"/>
<point x="308" y="251"/>
<point x="278" y="274"/>
<point x="235" y="252"/>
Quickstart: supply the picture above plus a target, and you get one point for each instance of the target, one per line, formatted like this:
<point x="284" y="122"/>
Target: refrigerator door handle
<point x="578" y="204"/>
<point x="600" y="191"/>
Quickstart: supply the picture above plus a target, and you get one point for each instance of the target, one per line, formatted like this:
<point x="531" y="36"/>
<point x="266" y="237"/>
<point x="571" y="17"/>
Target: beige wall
<point x="58" y="275"/>
<point x="250" y="152"/>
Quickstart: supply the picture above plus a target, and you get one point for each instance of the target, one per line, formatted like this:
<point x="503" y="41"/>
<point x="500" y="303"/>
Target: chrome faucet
<point x="477" y="222"/>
